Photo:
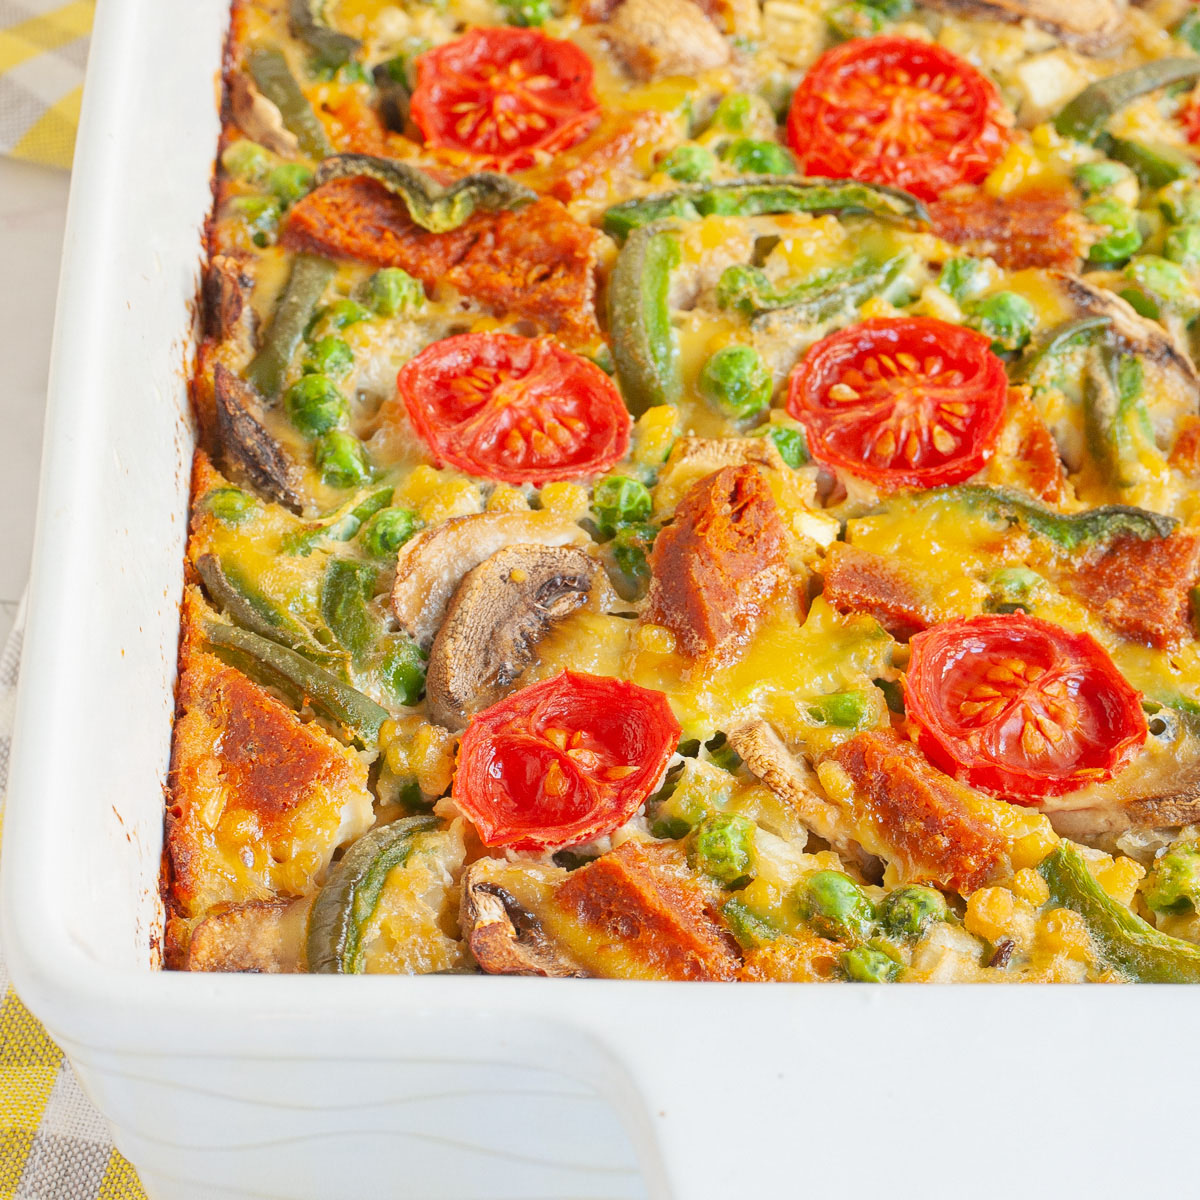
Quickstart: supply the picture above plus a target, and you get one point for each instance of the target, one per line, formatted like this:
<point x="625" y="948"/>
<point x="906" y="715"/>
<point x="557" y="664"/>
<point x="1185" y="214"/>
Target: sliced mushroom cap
<point x="259" y="118"/>
<point x="793" y="781"/>
<point x="502" y="608"/>
<point x="1159" y="789"/>
<point x="228" y="283"/>
<point x="248" y="449"/>
<point x="504" y="936"/>
<point x="431" y="565"/>
<point x="259" y="936"/>
<point x="1089" y="26"/>
<point x="655" y="38"/>
<point x="1135" y="333"/>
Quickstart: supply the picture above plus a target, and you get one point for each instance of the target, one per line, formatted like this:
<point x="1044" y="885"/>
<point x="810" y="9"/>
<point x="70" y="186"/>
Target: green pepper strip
<point x="344" y="594"/>
<point x="430" y="205"/>
<point x="307" y="22"/>
<point x="1084" y="117"/>
<point x="1154" y="165"/>
<point x="231" y="594"/>
<point x="343" y="907"/>
<point x="340" y="528"/>
<point x="751" y="292"/>
<point x="770" y="194"/>
<point x="304" y="289"/>
<point x="340" y="702"/>
<point x="1068" y="530"/>
<point x="1056" y="340"/>
<point x="1112" y="388"/>
<point x="644" y="345"/>
<point x="272" y="77"/>
<point x="1122" y="939"/>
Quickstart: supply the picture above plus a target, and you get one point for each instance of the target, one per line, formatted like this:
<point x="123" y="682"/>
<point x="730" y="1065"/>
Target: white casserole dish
<point x="318" y="1088"/>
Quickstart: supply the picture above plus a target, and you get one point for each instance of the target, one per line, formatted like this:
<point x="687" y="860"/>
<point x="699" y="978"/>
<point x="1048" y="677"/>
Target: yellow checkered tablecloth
<point x="53" y="1143"/>
<point x="43" y="52"/>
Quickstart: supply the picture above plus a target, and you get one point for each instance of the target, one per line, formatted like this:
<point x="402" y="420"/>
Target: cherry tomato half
<point x="563" y="761"/>
<point x="522" y="410"/>
<point x="903" y="402"/>
<point x="897" y="111"/>
<point x="507" y="95"/>
<point x="1020" y="707"/>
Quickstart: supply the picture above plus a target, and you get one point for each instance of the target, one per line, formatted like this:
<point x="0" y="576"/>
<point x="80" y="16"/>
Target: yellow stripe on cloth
<point x="51" y="138"/>
<point x="47" y="31"/>
<point x="120" y="1182"/>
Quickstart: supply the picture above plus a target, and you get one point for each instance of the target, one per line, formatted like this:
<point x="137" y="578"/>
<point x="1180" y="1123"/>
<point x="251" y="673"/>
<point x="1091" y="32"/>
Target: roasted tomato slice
<point x="903" y="402"/>
<point x="518" y="409"/>
<point x="512" y="97"/>
<point x="1020" y="707"/>
<point x="563" y="761"/>
<point x="897" y="111"/>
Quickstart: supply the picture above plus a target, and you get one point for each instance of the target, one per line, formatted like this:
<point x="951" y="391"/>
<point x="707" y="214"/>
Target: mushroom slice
<point x="656" y="38"/>
<point x="502" y="608"/>
<point x="1159" y="789"/>
<point x="1135" y="333"/>
<point x="246" y="444"/>
<point x="1089" y="26"/>
<point x="430" y="565"/>
<point x="504" y="936"/>
<point x="258" y="936"/>
<point x="259" y="118"/>
<point x="793" y="781"/>
<point x="226" y="296"/>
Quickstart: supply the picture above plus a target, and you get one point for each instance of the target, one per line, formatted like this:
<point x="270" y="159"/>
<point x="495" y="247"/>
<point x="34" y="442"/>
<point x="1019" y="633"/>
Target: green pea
<point x="342" y="313"/>
<point x="260" y="215"/>
<point x="835" y="906"/>
<point x="403" y="671"/>
<point x="736" y="382"/>
<point x="230" y="505"/>
<point x="688" y="163"/>
<point x="246" y="161"/>
<point x="677" y="814"/>
<point x="735" y="113"/>
<point x="1164" y="283"/>
<point x="1012" y="589"/>
<point x="630" y="548"/>
<point x="1179" y="202"/>
<point x="290" y="182"/>
<point x="869" y="964"/>
<point x="342" y="459"/>
<point x="722" y="846"/>
<point x="848" y="710"/>
<point x="751" y="156"/>
<point x="908" y="911"/>
<point x="1096" y="178"/>
<point x="1173" y="885"/>
<point x="393" y="291"/>
<point x="619" y="501"/>
<point x="330" y="356"/>
<point x="1005" y="317"/>
<point x="314" y="405"/>
<point x="961" y="278"/>
<point x="791" y="443"/>
<point x="849" y="21"/>
<point x="1123" y="237"/>
<point x="526" y="13"/>
<point x="387" y="531"/>
<point x="1182" y="244"/>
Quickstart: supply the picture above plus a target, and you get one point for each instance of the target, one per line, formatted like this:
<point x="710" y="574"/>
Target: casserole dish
<point x="315" y="1089"/>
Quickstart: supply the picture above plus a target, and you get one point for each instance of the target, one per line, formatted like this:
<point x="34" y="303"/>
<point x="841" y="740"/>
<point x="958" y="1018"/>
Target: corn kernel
<point x="432" y="759"/>
<point x="1030" y="886"/>
<point x="877" y="306"/>
<point x="1029" y="850"/>
<point x="996" y="913"/>
<point x="656" y="639"/>
<point x="1063" y="932"/>
<point x="396" y="756"/>
<point x="454" y="498"/>
<point x="655" y="434"/>
<point x="1120" y="878"/>
<point x="507" y="499"/>
<point x="567" y="500"/>
<point x="421" y="484"/>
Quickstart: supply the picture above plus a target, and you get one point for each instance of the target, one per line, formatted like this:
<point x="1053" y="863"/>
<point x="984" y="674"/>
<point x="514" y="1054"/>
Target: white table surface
<point x="33" y="203"/>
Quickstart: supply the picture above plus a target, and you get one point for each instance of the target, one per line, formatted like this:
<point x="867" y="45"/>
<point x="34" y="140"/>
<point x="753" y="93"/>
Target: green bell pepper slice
<point x="1083" y="119"/>
<point x="273" y="78"/>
